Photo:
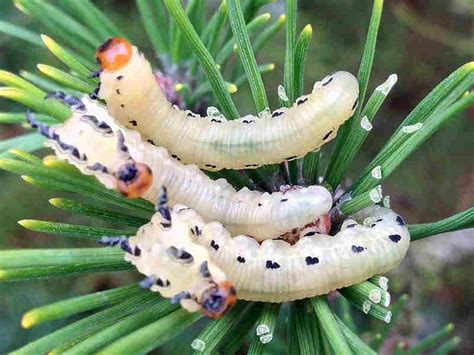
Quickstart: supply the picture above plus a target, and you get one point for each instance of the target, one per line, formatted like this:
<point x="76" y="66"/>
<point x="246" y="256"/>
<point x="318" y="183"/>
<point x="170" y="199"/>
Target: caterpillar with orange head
<point x="201" y="266"/>
<point x="133" y="97"/>
<point x="97" y="145"/>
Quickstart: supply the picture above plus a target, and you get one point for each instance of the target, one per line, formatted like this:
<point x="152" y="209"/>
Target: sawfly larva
<point x="96" y="144"/>
<point x="134" y="98"/>
<point x="172" y="249"/>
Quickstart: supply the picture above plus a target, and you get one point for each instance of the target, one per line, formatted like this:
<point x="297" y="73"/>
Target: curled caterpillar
<point x="134" y="98"/>
<point x="96" y="144"/>
<point x="175" y="265"/>
<point x="273" y="271"/>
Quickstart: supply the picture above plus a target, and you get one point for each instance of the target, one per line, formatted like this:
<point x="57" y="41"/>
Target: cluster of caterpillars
<point x="269" y="240"/>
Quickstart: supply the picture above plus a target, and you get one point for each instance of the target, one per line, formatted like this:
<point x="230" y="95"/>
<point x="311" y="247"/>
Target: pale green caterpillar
<point x="96" y="144"/>
<point x="133" y="97"/>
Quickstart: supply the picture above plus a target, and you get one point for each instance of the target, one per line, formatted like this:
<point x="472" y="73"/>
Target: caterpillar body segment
<point x="276" y="271"/>
<point x="136" y="100"/>
<point x="94" y="142"/>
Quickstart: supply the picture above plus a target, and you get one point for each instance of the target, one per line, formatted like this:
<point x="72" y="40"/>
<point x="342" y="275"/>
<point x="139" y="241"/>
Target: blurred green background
<point x="436" y="181"/>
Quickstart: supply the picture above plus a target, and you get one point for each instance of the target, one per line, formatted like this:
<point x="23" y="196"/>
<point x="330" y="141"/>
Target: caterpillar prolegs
<point x="185" y="257"/>
<point x="134" y="98"/>
<point x="95" y="143"/>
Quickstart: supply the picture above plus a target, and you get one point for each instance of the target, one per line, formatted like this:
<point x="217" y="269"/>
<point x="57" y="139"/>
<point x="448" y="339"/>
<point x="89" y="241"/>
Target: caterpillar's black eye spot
<point x="395" y="237"/>
<point x="400" y="221"/>
<point x="309" y="234"/>
<point x="259" y="204"/>
<point x="272" y="265"/>
<point x="277" y="113"/>
<point x="216" y="121"/>
<point x="211" y="166"/>
<point x="117" y="91"/>
<point x="176" y="157"/>
<point x="122" y="105"/>
<point x="241" y="259"/>
<point x="150" y="141"/>
<point x="357" y="249"/>
<point x="355" y="104"/>
<point x="214" y="245"/>
<point x="292" y="157"/>
<point x="283" y="200"/>
<point x="379" y="220"/>
<point x="328" y="81"/>
<point x="301" y="101"/>
<point x="133" y="123"/>
<point x="327" y="135"/>
<point x="120" y="77"/>
<point x="127" y="172"/>
<point x="311" y="260"/>
<point x="351" y="225"/>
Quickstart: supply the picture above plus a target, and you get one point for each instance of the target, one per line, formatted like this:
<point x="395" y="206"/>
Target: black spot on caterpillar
<point x="395" y="238"/>
<point x="311" y="260"/>
<point x="272" y="265"/>
<point x="134" y="123"/>
<point x="400" y="221"/>
<point x="230" y="144"/>
<point x="327" y="81"/>
<point x="243" y="212"/>
<point x="179" y="255"/>
<point x="241" y="259"/>
<point x="162" y="283"/>
<point x="327" y="135"/>
<point x="301" y="101"/>
<point x="214" y="245"/>
<point x="357" y="249"/>
<point x="98" y="167"/>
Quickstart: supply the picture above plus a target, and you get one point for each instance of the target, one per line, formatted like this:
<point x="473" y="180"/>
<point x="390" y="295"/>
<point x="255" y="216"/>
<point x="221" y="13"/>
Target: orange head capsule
<point x="114" y="54"/>
<point x="134" y="179"/>
<point x="218" y="300"/>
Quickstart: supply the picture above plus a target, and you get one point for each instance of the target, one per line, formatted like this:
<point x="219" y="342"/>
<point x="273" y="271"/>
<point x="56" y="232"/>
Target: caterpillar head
<point x="114" y="54"/>
<point x="134" y="179"/>
<point x="216" y="301"/>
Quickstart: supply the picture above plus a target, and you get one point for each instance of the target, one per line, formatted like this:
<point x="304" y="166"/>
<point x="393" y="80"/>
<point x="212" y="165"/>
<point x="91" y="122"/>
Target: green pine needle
<point x="153" y="335"/>
<point x="66" y="308"/>
<point x="71" y="230"/>
<point x="462" y="220"/>
<point x="247" y="56"/>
